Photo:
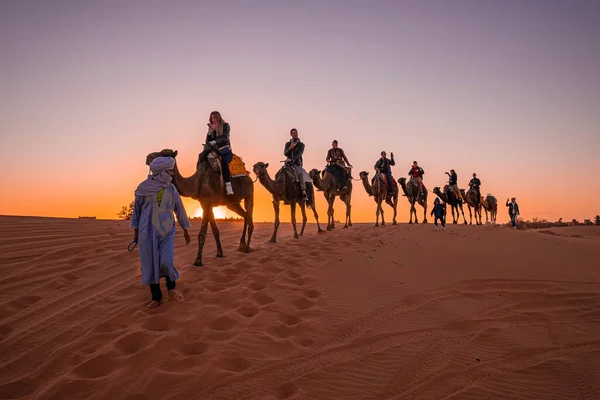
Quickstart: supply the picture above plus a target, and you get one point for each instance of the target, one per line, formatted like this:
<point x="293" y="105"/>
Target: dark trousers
<point x="226" y="157"/>
<point x="442" y="218"/>
<point x="157" y="293"/>
<point x="513" y="219"/>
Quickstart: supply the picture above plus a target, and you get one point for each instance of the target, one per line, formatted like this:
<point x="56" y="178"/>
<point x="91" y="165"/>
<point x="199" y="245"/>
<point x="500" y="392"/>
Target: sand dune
<point x="394" y="312"/>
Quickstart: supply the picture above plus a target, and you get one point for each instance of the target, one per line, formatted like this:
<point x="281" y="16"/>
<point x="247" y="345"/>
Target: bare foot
<point x="175" y="295"/>
<point x="153" y="304"/>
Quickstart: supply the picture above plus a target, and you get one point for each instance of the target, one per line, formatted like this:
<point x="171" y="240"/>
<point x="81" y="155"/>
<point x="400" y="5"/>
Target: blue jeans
<point x="226" y="157"/>
<point x="513" y="219"/>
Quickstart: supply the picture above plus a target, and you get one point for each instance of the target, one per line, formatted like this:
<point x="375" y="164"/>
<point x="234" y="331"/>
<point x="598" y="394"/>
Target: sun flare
<point x="217" y="211"/>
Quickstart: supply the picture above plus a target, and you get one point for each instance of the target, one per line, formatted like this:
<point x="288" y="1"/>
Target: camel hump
<point x="237" y="167"/>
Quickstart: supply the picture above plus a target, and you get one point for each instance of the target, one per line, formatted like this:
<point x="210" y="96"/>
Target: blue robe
<point x="156" y="240"/>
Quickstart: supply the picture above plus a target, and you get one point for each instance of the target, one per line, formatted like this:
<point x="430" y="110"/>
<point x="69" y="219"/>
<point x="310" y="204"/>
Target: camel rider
<point x="294" y="149"/>
<point x="383" y="165"/>
<point x="218" y="135"/>
<point x="453" y="182"/>
<point x="475" y="184"/>
<point x="416" y="173"/>
<point x="337" y="160"/>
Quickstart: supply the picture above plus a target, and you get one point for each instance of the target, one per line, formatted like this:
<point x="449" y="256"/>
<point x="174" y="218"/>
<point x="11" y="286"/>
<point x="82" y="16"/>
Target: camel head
<point x="402" y="181"/>
<point x="314" y="174"/>
<point x="260" y="168"/>
<point x="364" y="175"/>
<point x="163" y="153"/>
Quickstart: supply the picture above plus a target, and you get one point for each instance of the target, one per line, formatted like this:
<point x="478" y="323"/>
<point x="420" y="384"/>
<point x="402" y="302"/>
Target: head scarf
<point x="158" y="179"/>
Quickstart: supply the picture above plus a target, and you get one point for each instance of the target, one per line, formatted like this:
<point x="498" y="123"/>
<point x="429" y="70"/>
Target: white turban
<point x="159" y="179"/>
<point x="160" y="164"/>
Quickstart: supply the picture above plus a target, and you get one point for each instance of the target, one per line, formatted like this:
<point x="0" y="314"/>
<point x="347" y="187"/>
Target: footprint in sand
<point x="17" y="389"/>
<point x="23" y="302"/>
<point x="248" y="311"/>
<point x="305" y="342"/>
<point x="192" y="349"/>
<point x="256" y="286"/>
<point x="96" y="367"/>
<point x="134" y="342"/>
<point x="213" y="288"/>
<point x="223" y="323"/>
<point x="303" y="304"/>
<point x="222" y="278"/>
<point x="262" y="299"/>
<point x="233" y="364"/>
<point x="159" y="323"/>
<point x="287" y="391"/>
<point x="289" y="319"/>
<point x="312" y="293"/>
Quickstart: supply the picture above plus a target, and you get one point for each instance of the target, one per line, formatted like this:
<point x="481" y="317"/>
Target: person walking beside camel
<point x="439" y="212"/>
<point x="156" y="199"/>
<point x="513" y="211"/>
<point x="294" y="149"/>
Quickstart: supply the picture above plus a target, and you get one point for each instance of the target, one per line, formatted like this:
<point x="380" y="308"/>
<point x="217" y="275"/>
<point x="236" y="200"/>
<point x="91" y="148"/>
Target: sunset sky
<point x="507" y="89"/>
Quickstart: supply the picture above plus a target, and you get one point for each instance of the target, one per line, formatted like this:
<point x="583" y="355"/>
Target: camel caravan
<point x="221" y="179"/>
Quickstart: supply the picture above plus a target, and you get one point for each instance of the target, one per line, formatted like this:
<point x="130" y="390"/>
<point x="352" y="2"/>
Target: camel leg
<point x="276" y="226"/>
<point x="248" y="224"/>
<point x="330" y="221"/>
<point x="304" y="219"/>
<point x="316" y="215"/>
<point x="293" y="215"/>
<point x="470" y="216"/>
<point x="414" y="210"/>
<point x="463" y="214"/>
<point x="377" y="214"/>
<point x="424" y="205"/>
<point x="457" y="214"/>
<point x="201" y="239"/>
<point x="348" y="210"/>
<point x="216" y="234"/>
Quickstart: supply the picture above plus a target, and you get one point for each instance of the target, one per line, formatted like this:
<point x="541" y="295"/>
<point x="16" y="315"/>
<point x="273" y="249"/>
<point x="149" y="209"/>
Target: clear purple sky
<point x="509" y="89"/>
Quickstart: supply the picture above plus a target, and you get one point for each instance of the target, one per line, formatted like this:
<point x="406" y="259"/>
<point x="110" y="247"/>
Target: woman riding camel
<point x="453" y="182"/>
<point x="218" y="135"/>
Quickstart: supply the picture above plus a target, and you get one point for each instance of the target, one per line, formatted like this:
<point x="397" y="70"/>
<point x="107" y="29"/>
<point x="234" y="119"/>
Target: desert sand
<point x="401" y="312"/>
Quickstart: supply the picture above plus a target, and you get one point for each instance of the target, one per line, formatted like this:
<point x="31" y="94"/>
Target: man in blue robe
<point x="154" y="228"/>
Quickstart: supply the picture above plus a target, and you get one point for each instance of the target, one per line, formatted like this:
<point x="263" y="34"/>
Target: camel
<point x="450" y="197"/>
<point x="284" y="189"/>
<point x="490" y="203"/>
<point x="328" y="186"/>
<point x="473" y="201"/>
<point x="413" y="196"/>
<point x="207" y="186"/>
<point x="379" y="191"/>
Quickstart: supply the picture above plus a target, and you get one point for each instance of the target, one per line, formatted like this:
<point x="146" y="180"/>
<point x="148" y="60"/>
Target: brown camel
<point x="413" y="196"/>
<point x="288" y="191"/>
<point x="450" y="197"/>
<point x="207" y="186"/>
<point x="490" y="203"/>
<point x="473" y="201"/>
<point x="328" y="186"/>
<point x="379" y="191"/>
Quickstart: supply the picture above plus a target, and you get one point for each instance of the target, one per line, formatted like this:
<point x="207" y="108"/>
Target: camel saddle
<point x="414" y="183"/>
<point x="383" y="178"/>
<point x="289" y="171"/>
<point x="237" y="167"/>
